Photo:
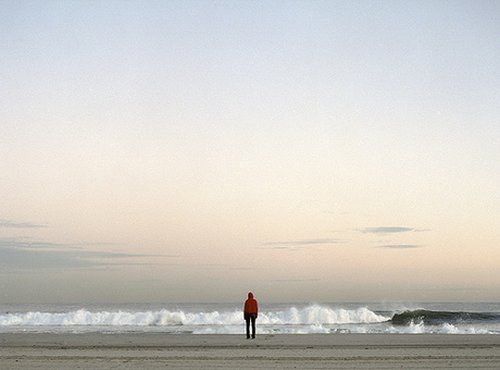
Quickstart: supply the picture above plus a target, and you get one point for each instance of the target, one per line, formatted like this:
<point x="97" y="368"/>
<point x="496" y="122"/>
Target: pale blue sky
<point x="156" y="150"/>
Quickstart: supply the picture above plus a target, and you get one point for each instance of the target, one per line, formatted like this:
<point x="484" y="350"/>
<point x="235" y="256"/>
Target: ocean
<point x="283" y="318"/>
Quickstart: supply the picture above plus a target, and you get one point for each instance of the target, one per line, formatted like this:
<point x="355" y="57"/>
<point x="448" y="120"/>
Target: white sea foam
<point x="314" y="315"/>
<point x="289" y="320"/>
<point x="412" y="328"/>
<point x="447" y="328"/>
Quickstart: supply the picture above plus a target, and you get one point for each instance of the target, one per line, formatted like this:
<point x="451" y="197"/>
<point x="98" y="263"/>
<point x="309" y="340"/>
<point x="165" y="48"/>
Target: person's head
<point x="250" y="295"/>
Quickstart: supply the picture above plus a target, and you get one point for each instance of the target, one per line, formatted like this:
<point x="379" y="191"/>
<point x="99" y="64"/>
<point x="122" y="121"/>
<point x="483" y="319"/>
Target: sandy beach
<point x="154" y="351"/>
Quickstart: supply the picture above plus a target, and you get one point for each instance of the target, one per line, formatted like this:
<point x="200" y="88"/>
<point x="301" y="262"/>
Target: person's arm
<point x="256" y="308"/>
<point x="245" y="315"/>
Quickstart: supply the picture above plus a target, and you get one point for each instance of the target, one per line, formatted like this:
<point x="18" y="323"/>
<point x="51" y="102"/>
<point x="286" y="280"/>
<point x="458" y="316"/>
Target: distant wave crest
<point x="441" y="317"/>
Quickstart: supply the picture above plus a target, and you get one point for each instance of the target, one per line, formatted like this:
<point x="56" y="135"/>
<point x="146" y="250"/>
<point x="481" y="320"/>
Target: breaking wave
<point x="442" y="317"/>
<point x="312" y="315"/>
<point x="290" y="320"/>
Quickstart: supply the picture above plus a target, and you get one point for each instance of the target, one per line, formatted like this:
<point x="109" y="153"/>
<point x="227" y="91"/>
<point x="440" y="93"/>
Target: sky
<point x="192" y="151"/>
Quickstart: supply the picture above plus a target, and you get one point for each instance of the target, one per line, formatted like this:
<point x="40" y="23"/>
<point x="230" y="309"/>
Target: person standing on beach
<point x="250" y="312"/>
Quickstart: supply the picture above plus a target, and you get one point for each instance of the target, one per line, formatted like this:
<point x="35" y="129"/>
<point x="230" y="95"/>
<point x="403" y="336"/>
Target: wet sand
<point x="156" y="350"/>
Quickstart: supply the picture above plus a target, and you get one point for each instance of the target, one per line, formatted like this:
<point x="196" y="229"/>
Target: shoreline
<point x="305" y="351"/>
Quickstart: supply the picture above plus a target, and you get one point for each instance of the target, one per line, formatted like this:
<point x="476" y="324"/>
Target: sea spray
<point x="312" y="315"/>
<point x="228" y="319"/>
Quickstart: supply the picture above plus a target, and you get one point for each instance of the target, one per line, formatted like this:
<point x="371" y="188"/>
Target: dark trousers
<point x="251" y="317"/>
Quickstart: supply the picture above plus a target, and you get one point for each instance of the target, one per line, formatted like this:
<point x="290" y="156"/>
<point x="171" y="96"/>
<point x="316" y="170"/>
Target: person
<point x="250" y="313"/>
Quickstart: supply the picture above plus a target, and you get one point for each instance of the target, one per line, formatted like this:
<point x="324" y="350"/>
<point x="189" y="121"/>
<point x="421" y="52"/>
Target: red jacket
<point x="251" y="306"/>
